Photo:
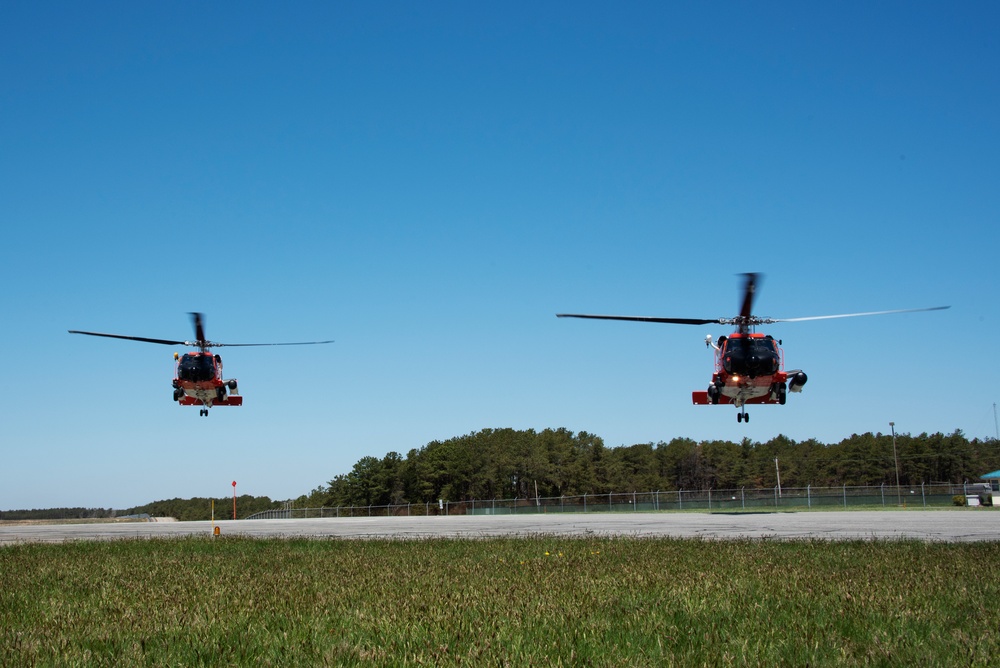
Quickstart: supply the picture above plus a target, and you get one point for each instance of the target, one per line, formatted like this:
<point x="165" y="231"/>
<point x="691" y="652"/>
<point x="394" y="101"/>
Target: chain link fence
<point x="722" y="500"/>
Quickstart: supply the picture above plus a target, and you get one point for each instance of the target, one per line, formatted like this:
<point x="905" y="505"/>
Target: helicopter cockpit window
<point x="753" y="347"/>
<point x="750" y="356"/>
<point x="196" y="368"/>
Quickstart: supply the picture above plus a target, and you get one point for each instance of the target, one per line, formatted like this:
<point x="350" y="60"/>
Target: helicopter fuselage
<point x="749" y="369"/>
<point x="198" y="381"/>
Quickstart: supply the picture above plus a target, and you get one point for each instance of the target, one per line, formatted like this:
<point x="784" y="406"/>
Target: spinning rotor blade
<point x="637" y="318"/>
<point x="204" y="344"/>
<point x="200" y="342"/>
<point x="853" y="315"/>
<point x="209" y="344"/>
<point x="134" y="338"/>
<point x="749" y="290"/>
<point x="199" y="330"/>
<point x="195" y="344"/>
<point x="746" y="319"/>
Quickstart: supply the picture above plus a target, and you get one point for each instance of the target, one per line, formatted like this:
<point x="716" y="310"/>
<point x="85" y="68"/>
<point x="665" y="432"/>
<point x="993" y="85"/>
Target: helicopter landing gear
<point x="713" y="394"/>
<point x="178" y="393"/>
<point x="203" y="412"/>
<point x="742" y="416"/>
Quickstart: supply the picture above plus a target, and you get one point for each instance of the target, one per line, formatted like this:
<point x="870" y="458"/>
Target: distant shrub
<point x="959" y="500"/>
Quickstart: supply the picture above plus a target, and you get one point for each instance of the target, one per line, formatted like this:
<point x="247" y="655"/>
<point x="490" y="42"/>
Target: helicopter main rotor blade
<point x="637" y="318"/>
<point x="199" y="329"/>
<point x="197" y="319"/>
<point x="205" y="344"/>
<point x="209" y="344"/>
<point x="854" y="315"/>
<point x="134" y="338"/>
<point x="749" y="290"/>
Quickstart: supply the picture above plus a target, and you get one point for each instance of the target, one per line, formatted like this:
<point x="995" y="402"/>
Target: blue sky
<point x="429" y="183"/>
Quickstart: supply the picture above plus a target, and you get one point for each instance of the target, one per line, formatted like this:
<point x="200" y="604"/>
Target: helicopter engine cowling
<point x="797" y="381"/>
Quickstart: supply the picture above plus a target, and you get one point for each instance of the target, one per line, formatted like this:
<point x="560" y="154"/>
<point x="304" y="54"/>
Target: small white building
<point x="993" y="480"/>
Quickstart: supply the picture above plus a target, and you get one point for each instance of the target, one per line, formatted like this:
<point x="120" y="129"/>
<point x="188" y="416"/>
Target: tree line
<point x="200" y="508"/>
<point x="197" y="508"/>
<point x="509" y="463"/>
<point x="57" y="514"/>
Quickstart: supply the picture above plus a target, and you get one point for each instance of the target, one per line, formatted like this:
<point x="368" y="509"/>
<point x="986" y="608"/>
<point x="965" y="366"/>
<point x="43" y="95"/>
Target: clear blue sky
<point x="429" y="183"/>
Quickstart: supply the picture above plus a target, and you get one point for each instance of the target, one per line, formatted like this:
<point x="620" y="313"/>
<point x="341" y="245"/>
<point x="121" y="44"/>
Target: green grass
<point x="499" y="602"/>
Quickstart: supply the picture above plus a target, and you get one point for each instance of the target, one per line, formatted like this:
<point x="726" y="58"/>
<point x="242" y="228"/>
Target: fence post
<point x="680" y="503"/>
<point x="809" y="501"/>
<point x="845" y="497"/>
<point x="709" y="499"/>
<point x="882" y="487"/>
<point x="923" y="498"/>
<point x="657" y="501"/>
<point x="743" y="498"/>
<point x="584" y="502"/>
<point x="776" y="497"/>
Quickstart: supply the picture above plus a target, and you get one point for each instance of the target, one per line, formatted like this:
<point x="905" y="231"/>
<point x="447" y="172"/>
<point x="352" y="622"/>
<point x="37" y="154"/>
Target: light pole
<point x="777" y="473"/>
<point x="895" y="461"/>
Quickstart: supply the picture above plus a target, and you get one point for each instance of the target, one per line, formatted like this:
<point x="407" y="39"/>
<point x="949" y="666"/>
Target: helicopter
<point x="749" y="366"/>
<point x="198" y="379"/>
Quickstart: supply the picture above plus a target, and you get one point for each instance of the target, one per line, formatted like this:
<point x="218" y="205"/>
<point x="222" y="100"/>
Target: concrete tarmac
<point x="958" y="525"/>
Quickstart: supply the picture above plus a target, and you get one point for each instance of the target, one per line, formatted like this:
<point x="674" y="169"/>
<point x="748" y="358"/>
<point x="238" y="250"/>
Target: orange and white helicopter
<point x="749" y="367"/>
<point x="198" y="377"/>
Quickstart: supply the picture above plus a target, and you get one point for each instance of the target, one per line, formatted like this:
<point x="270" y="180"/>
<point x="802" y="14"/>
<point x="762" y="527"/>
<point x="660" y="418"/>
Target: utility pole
<point x="895" y="462"/>
<point x="777" y="472"/>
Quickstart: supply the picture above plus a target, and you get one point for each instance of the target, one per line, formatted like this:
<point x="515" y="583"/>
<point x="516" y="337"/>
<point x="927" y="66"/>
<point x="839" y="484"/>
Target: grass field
<point x="499" y="602"/>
